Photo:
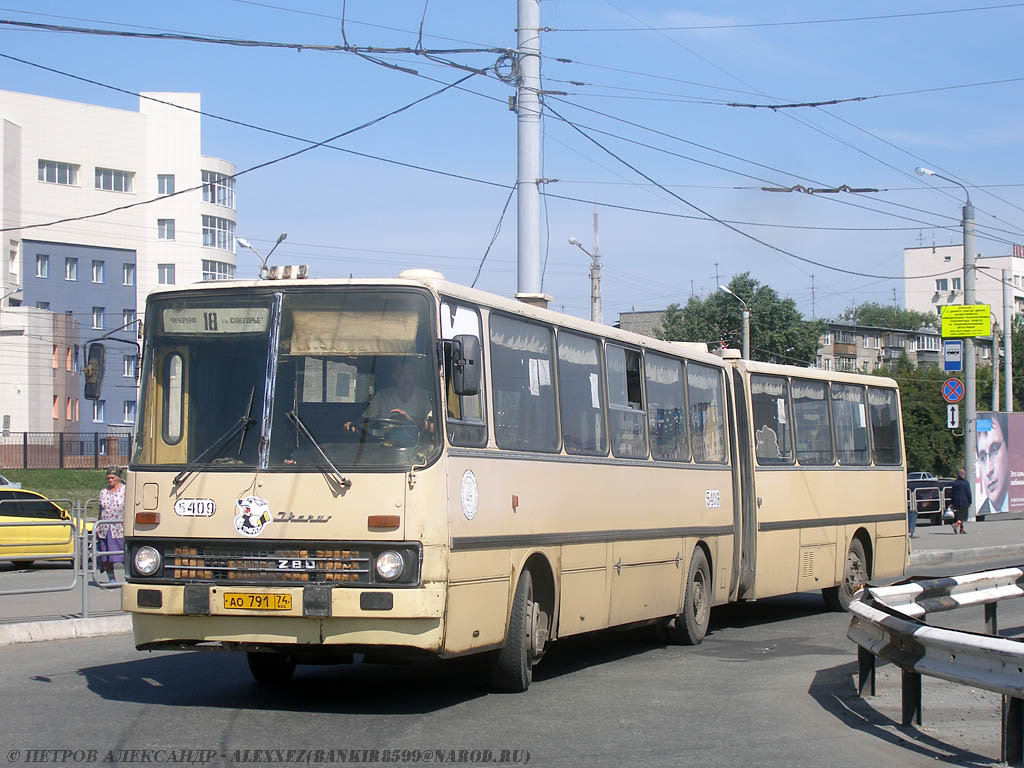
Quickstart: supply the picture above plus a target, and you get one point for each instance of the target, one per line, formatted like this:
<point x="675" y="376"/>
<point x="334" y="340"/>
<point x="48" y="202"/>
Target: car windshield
<point x="342" y="376"/>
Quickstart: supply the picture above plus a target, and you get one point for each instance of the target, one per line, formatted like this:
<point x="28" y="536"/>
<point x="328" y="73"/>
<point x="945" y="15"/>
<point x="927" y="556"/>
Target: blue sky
<point x="656" y="99"/>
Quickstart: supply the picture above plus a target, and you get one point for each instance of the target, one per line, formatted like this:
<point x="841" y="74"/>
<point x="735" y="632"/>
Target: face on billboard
<point x="994" y="464"/>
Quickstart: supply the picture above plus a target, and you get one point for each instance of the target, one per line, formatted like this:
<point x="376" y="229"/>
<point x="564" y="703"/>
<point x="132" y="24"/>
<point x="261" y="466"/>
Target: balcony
<point x="844" y="349"/>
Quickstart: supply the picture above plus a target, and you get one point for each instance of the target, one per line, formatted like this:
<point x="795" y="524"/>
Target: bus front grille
<point x="243" y="563"/>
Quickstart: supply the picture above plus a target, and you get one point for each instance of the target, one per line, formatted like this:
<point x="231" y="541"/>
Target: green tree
<point x="930" y="445"/>
<point x="778" y="332"/>
<point x="879" y="316"/>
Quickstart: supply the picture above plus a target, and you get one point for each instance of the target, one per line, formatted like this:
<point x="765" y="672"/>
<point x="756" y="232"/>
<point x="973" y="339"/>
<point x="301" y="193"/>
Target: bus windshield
<point x="302" y="379"/>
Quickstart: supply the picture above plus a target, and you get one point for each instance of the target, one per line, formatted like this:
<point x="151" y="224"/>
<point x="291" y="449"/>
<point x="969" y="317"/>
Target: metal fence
<point x="63" y="450"/>
<point x="24" y="537"/>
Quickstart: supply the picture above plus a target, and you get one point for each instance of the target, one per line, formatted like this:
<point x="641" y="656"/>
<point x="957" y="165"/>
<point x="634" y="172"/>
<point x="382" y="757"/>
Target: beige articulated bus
<point x="409" y="466"/>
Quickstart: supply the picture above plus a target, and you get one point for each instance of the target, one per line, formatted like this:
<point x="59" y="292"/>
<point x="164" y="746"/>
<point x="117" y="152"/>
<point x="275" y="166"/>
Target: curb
<point x="64" y="629"/>
<point x="975" y="555"/>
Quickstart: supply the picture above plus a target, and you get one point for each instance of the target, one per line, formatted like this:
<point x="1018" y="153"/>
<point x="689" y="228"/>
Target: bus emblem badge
<point x="253" y="515"/>
<point x="469" y="494"/>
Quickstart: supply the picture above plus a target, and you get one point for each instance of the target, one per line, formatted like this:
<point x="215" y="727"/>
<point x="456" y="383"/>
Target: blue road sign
<point x="952" y="355"/>
<point x="952" y="390"/>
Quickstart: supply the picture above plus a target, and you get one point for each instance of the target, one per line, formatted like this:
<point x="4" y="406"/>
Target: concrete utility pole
<point x="1007" y="339"/>
<point x="746" y="321"/>
<point x="595" y="276"/>
<point x="528" y="109"/>
<point x="970" y="363"/>
<point x="995" y="366"/>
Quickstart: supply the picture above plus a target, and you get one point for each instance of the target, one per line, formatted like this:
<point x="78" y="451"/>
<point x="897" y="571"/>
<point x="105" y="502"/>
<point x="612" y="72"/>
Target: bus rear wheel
<point x="512" y="666"/>
<point x="271" y="669"/>
<point x="690" y="627"/>
<point x="855" y="576"/>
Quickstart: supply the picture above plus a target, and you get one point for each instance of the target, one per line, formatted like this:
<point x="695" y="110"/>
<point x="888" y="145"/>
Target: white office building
<point x="167" y="217"/>
<point x="935" y="279"/>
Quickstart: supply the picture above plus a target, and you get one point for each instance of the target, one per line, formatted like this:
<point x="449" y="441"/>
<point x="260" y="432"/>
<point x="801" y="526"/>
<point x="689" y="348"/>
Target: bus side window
<point x="581" y="395"/>
<point x="464" y="415"/>
<point x="885" y="425"/>
<point x="626" y="422"/>
<point x="769" y="399"/>
<point x="812" y="423"/>
<point x="666" y="408"/>
<point x="525" y="417"/>
<point x="849" y="415"/>
<point x="707" y="414"/>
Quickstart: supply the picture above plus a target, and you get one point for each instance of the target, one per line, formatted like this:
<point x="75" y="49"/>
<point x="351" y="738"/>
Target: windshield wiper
<point x="294" y="417"/>
<point x="243" y="423"/>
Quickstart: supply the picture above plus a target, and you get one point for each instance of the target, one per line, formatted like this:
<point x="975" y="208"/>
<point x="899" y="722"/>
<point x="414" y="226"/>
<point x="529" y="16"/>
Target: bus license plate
<point x="250" y="601"/>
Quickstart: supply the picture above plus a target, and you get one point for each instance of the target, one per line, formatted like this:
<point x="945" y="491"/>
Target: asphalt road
<point x="772" y="685"/>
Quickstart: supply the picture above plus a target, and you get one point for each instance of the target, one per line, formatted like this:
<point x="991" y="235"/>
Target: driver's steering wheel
<point x="388" y="428"/>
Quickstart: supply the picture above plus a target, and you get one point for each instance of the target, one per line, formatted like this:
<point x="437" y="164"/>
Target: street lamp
<point x="746" y="321"/>
<point x="970" y="364"/>
<point x="263" y="266"/>
<point x="595" y="280"/>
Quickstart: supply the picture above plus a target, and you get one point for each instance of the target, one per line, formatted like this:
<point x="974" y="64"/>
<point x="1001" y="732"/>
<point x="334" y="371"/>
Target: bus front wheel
<point x="690" y="627"/>
<point x="271" y="669"/>
<point x="512" y="666"/>
<point x="855" y="576"/>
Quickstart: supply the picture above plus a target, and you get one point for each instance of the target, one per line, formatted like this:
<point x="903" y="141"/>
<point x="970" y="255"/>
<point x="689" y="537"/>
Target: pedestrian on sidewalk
<point x="961" y="498"/>
<point x="110" y="536"/>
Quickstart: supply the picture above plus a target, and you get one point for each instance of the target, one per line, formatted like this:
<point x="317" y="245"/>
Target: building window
<point x="43" y="305"/>
<point x="76" y="409"/>
<point x="114" y="180"/>
<point x="13" y="261"/>
<point x="218" y="270"/>
<point x="165" y="274"/>
<point x="67" y="360"/>
<point x="56" y="349"/>
<point x="942" y="285"/>
<point x="956" y="283"/>
<point x="131" y="363"/>
<point x="42" y="265"/>
<point x="128" y="318"/>
<point x="165" y="229"/>
<point x="129" y="411"/>
<point x="97" y="317"/>
<point x="98" y="410"/>
<point x="128" y="274"/>
<point x="219" y="233"/>
<point x="58" y="173"/>
<point x="75" y="369"/>
<point x="219" y="189"/>
<point x="70" y="268"/>
<point x="165" y="183"/>
<point x="69" y="411"/>
<point x="56" y="406"/>
<point x="98" y="271"/>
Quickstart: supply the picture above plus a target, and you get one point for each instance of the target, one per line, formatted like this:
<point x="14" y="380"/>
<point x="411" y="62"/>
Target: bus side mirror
<point x="95" y="358"/>
<point x="466" y="365"/>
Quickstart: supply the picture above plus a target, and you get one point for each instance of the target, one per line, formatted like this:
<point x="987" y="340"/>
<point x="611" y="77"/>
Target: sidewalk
<point x="934" y="551"/>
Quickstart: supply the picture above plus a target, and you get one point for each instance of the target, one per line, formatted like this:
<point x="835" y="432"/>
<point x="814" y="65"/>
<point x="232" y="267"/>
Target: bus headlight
<point x="147" y="561"/>
<point x="390" y="565"/>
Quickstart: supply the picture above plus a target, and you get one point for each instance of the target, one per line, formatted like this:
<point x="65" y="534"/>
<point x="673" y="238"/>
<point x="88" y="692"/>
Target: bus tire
<point x="512" y="666"/>
<point x="690" y="627"/>
<point x="271" y="669"/>
<point x="855" y="576"/>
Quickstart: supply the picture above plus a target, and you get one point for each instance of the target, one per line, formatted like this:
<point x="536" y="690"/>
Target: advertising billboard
<point x="999" y="485"/>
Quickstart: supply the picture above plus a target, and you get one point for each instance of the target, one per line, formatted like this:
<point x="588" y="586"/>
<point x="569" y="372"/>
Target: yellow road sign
<point x="959" y="321"/>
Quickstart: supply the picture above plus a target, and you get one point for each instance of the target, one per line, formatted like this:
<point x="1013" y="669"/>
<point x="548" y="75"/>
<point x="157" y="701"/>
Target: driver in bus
<point x="405" y="400"/>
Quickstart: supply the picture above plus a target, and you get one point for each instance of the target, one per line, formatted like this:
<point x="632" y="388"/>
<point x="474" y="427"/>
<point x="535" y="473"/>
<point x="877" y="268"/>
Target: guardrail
<point x="887" y="622"/>
<point x="76" y="542"/>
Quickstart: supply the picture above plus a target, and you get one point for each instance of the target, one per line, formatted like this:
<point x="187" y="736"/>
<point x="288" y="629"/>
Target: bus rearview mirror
<point x="466" y="365"/>
<point x="95" y="359"/>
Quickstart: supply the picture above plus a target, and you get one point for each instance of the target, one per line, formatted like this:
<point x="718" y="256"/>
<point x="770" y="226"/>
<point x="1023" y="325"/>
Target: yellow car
<point x="30" y="542"/>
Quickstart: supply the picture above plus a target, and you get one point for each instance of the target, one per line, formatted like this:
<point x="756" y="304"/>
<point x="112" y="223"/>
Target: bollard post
<point x="1012" y="746"/>
<point x="865" y="671"/>
<point x="991" y="619"/>
<point x="911" y="697"/>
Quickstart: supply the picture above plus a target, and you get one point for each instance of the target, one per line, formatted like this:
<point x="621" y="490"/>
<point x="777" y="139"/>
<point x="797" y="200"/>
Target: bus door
<point x="745" y="511"/>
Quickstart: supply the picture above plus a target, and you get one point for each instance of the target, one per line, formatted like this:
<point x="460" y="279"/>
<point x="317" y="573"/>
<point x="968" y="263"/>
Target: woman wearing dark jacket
<point x="961" y="498"/>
